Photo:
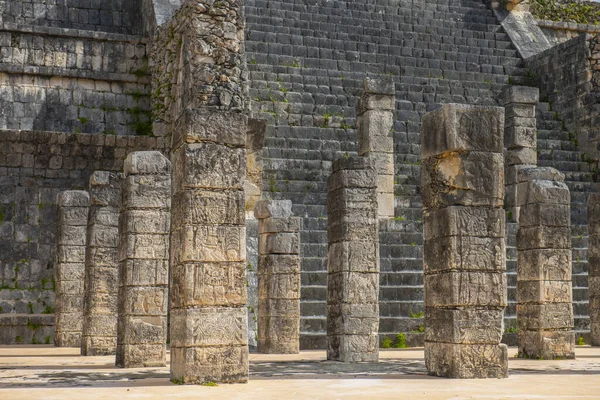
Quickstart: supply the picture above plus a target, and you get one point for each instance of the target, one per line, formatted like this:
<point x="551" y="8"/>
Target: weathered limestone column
<point x="374" y="123"/>
<point x="462" y="187"/>
<point x="144" y="224"/>
<point x="278" y="277"/>
<point x="101" y="266"/>
<point x="520" y="139"/>
<point x="593" y="213"/>
<point x="209" y="327"/>
<point x="70" y="267"/>
<point x="353" y="261"/>
<point x="544" y="287"/>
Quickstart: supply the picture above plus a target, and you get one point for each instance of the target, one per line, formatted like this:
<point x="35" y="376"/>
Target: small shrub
<point x="580" y="341"/>
<point x="386" y="343"/>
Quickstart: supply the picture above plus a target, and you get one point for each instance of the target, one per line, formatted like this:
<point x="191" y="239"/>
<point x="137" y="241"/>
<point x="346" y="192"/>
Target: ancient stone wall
<point x="594" y="267"/>
<point x="118" y="16"/>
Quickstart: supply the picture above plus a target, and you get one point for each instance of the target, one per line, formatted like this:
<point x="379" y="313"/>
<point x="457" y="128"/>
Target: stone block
<point x="208" y="166"/>
<point x="140" y="329"/>
<point x="375" y="144"/>
<point x="276" y="209"/>
<point x="72" y="216"/>
<point x="271" y="264"/>
<point x="463" y="178"/>
<point x="464" y="221"/>
<point x="98" y="345"/>
<point x="521" y="94"/>
<point x="279" y="225"/>
<point x="144" y="301"/>
<point x="144" y="355"/>
<point x="268" y="307"/>
<point x="208" y="284"/>
<point x="379" y="86"/>
<point x="466" y="361"/>
<point x="352" y="287"/>
<point x="103" y="236"/>
<point x="208" y="207"/>
<point x="144" y="222"/>
<point x="533" y="317"/>
<point x="353" y="256"/>
<point x="139" y="272"/>
<point x="513" y="112"/>
<point x="280" y="286"/>
<point x="373" y="124"/>
<point x="352" y="163"/>
<point x="279" y="243"/>
<point x="538" y="191"/>
<point x="593" y="205"/>
<point x="464" y="253"/>
<point x="521" y="155"/>
<point x="531" y="173"/>
<point x="355" y="226"/>
<point x="467" y="326"/>
<point x="147" y="192"/>
<point x="210" y="364"/>
<point x="544" y="264"/>
<point x="353" y="348"/>
<point x="361" y="201"/>
<point x="461" y="127"/>
<point x="144" y="246"/>
<point x="469" y="289"/>
<point x="375" y="102"/>
<point x="545" y="214"/>
<point x="547" y="345"/>
<point x="279" y="335"/>
<point x="208" y="243"/>
<point x="544" y="237"/>
<point x="520" y="136"/>
<point x="73" y="198"/>
<point x="205" y="125"/>
<point x="69" y="235"/>
<point x="209" y="327"/>
<point x="544" y="292"/>
<point x="352" y="319"/>
<point x="357" y="178"/>
<point x="147" y="163"/>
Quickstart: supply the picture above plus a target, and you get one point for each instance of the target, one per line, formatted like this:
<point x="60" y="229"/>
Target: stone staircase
<point x="307" y="60"/>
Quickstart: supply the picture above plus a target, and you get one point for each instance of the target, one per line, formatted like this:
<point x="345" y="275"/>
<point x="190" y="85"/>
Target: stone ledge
<point x="26" y="328"/>
<point x="72" y="73"/>
<point x="74" y="33"/>
<point x="567" y="26"/>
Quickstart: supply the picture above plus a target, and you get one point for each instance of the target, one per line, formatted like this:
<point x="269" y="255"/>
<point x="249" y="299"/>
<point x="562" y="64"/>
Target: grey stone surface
<point x="101" y="287"/>
<point x="70" y="267"/>
<point x="353" y="262"/>
<point x="544" y="285"/>
<point x="144" y="226"/>
<point x="465" y="256"/>
<point x="594" y="266"/>
<point x="278" y="277"/>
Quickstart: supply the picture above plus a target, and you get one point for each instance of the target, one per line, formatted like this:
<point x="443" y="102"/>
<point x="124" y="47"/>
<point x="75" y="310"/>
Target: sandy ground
<point x="45" y="372"/>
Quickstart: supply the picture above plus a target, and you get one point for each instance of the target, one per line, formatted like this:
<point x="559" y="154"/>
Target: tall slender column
<point x="72" y="210"/>
<point x="594" y="266"/>
<point x="144" y="224"/>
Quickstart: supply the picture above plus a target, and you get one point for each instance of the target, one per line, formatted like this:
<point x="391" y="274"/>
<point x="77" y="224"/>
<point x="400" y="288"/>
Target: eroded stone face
<point x="462" y="187"/>
<point x="594" y="266"/>
<point x="70" y="267"/>
<point x="353" y="262"/>
<point x="544" y="286"/>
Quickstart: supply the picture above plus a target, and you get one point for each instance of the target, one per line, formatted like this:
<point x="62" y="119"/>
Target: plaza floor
<point x="45" y="372"/>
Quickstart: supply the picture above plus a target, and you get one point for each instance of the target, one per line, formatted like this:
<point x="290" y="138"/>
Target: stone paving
<point x="45" y="372"/>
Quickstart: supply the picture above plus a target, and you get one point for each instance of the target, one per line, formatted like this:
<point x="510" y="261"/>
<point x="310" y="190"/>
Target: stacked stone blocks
<point x="72" y="210"/>
<point x="353" y="261"/>
<point x="520" y="138"/>
<point x="278" y="277"/>
<point x="374" y="125"/>
<point x="544" y="287"/>
<point x="101" y="265"/>
<point x="462" y="188"/>
<point x="144" y="225"/>
<point x="594" y="266"/>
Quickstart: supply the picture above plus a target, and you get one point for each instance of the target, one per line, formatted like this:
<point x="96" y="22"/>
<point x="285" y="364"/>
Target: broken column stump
<point x="462" y="187"/>
<point x="72" y="212"/>
<point x="593" y="213"/>
<point x="101" y="266"/>
<point x="544" y="287"/>
<point x="209" y="328"/>
<point x="278" y="277"/>
<point x="374" y="127"/>
<point x="352" y="261"/>
<point x="144" y="224"/>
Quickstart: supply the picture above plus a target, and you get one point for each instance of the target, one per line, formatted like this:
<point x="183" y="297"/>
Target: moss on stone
<point x="582" y="12"/>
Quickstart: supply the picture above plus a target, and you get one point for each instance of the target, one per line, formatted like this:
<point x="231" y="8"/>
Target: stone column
<point x="144" y="224"/>
<point x="464" y="262"/>
<point x="374" y="124"/>
<point x="593" y="213"/>
<point x="101" y="266"/>
<point x="520" y="139"/>
<point x="353" y="261"/>
<point x="70" y="266"/>
<point x="278" y="277"/>
<point x="544" y="288"/>
<point x="209" y="327"/>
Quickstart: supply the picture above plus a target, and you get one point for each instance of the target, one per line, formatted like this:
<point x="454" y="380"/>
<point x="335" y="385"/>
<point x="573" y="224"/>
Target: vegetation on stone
<point x="583" y="12"/>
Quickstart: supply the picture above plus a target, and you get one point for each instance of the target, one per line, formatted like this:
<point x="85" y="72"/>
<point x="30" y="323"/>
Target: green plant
<point x="511" y="329"/>
<point x="83" y="120"/>
<point x="141" y="72"/>
<point x="400" y="342"/>
<point x="19" y="339"/>
<point x="386" y="343"/>
<point x="413" y="244"/>
<point x="48" y="310"/>
<point x="30" y="307"/>
<point x="580" y="341"/>
<point x="399" y="219"/>
<point x="272" y="186"/>
<point x="416" y="315"/>
<point x="47" y="339"/>
<point x="178" y="381"/>
<point x="209" y="383"/>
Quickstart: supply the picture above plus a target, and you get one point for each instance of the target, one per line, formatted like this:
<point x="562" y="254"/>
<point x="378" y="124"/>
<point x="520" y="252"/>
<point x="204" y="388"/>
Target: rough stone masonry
<point x="352" y="261"/>
<point x="72" y="210"/>
<point x="594" y="266"/>
<point x="462" y="184"/>
<point x="278" y="277"/>
<point x="99" y="335"/>
<point x="544" y="288"/>
<point x="374" y="126"/>
<point x="144" y="225"/>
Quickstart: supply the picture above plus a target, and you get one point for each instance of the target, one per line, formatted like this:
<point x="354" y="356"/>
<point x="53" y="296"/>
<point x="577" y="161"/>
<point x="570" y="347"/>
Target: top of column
<point x="73" y="198"/>
<point x="147" y="163"/>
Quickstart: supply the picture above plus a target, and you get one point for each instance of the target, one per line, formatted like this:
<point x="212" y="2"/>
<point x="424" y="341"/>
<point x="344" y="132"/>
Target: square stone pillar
<point x="278" y="277"/>
<point x="72" y="210"/>
<point x="374" y="126"/>
<point x="101" y="265"/>
<point x="209" y="327"/>
<point x="544" y="287"/>
<point x="464" y="260"/>
<point x="352" y="261"/>
<point x="593" y="213"/>
<point x="520" y="139"/>
<point x="144" y="224"/>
